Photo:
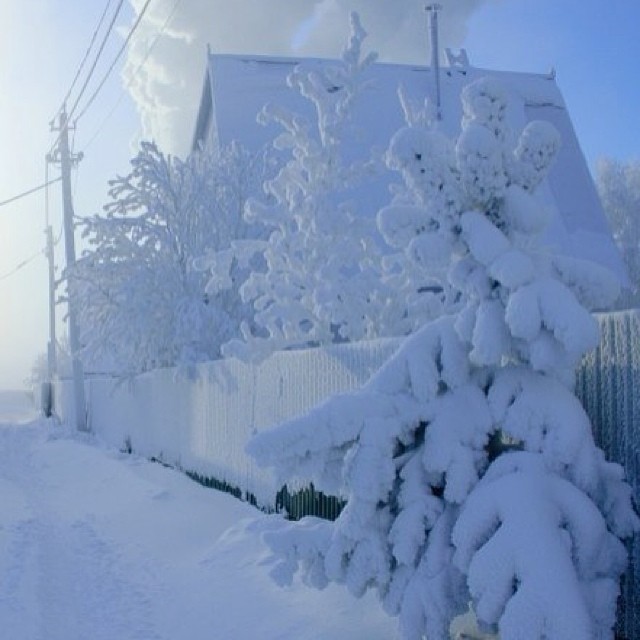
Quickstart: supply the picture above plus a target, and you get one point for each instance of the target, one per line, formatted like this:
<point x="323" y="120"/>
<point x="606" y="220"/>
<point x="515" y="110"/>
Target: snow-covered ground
<point x="99" y="545"/>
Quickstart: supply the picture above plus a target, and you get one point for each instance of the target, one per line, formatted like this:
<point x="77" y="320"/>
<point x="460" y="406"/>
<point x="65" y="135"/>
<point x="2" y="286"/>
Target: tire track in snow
<point x="16" y="579"/>
<point x="61" y="579"/>
<point x="83" y="576"/>
<point x="17" y="536"/>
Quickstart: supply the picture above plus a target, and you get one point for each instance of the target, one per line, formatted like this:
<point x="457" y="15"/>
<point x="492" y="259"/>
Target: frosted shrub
<point x="324" y="274"/>
<point x="467" y="465"/>
<point x="141" y="303"/>
<point x="317" y="278"/>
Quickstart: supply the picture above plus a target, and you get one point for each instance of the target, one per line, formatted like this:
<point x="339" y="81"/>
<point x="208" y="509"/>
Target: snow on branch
<point x="141" y="300"/>
<point x="538" y="555"/>
<point x="467" y="464"/>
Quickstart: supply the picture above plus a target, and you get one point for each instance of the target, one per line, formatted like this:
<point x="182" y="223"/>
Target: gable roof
<point x="236" y="88"/>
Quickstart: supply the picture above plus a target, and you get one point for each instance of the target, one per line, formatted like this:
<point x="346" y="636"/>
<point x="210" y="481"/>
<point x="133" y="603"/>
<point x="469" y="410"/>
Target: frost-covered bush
<point x="317" y="276"/>
<point x="468" y="466"/>
<point x="141" y="303"/>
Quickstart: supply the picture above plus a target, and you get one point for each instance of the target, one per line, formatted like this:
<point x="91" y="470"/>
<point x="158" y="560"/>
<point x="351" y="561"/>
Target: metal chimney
<point x="433" y="9"/>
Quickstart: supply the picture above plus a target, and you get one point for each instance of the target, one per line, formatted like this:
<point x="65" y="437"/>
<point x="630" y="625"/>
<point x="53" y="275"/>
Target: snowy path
<point x="60" y="576"/>
<point x="96" y="545"/>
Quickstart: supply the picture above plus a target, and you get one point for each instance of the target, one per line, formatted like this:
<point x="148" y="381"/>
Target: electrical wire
<point x="86" y="56"/>
<point x="106" y="119"/>
<point x="20" y="266"/>
<point x="29" y="192"/>
<point x="69" y="115"/>
<point x="95" y="62"/>
<point x="44" y="186"/>
<point x="133" y="75"/>
<point x="94" y="95"/>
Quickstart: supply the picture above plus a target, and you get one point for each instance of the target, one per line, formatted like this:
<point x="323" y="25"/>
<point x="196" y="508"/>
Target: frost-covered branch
<point x="318" y="278"/>
<point x="468" y="466"/>
<point x="142" y="304"/>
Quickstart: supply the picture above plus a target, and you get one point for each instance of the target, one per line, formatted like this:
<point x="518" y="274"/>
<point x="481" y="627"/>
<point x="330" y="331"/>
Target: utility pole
<point x="433" y="9"/>
<point x="46" y="390"/>
<point x="52" y="351"/>
<point x="62" y="154"/>
<point x="52" y="358"/>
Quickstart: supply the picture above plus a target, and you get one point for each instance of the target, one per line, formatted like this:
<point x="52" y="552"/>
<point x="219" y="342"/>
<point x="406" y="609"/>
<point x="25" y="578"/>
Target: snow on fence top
<point x="202" y="425"/>
<point x="237" y="87"/>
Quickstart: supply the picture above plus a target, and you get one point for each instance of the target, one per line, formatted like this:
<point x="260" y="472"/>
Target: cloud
<point x="166" y="88"/>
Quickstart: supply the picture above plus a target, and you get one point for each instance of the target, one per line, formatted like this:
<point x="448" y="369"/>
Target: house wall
<point x="201" y="424"/>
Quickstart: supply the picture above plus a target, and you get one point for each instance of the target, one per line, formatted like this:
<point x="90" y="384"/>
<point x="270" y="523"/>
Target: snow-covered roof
<point x="236" y="88"/>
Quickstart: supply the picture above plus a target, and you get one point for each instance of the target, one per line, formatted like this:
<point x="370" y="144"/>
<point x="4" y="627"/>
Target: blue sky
<point x="594" y="47"/>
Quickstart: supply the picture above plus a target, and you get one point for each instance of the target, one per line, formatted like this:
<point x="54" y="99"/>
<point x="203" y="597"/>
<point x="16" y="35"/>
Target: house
<point x="236" y="87"/>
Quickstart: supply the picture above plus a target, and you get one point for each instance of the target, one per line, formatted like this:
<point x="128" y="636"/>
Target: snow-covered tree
<point x="467" y="465"/>
<point x="619" y="187"/>
<point x="319" y="280"/>
<point x="141" y="303"/>
<point x="39" y="372"/>
<point x="416" y="267"/>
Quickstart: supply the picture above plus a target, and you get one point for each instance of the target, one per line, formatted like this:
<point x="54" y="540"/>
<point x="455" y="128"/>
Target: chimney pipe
<point x="433" y="9"/>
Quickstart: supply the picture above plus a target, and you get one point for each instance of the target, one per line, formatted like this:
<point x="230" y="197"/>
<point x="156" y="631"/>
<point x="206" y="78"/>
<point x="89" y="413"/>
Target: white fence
<point x="201" y="424"/>
<point x="608" y="385"/>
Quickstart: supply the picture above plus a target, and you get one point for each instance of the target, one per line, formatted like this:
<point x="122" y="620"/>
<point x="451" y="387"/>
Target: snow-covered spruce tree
<point x="619" y="188"/>
<point x="320" y="278"/>
<point x="467" y="464"/>
<point x="141" y="304"/>
<point x="415" y="269"/>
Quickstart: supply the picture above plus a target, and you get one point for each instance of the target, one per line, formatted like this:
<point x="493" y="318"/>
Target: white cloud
<point x="166" y="89"/>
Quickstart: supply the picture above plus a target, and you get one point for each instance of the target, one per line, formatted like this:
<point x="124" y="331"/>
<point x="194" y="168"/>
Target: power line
<point x="29" y="192"/>
<point x="97" y="58"/>
<point x="86" y="55"/>
<point x="104" y="121"/>
<point x="87" y="79"/>
<point x="20" y="266"/>
<point x="134" y="74"/>
<point x="115" y="60"/>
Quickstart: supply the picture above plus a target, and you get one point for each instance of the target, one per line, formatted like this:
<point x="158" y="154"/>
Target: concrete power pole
<point x="64" y="156"/>
<point x="52" y="358"/>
